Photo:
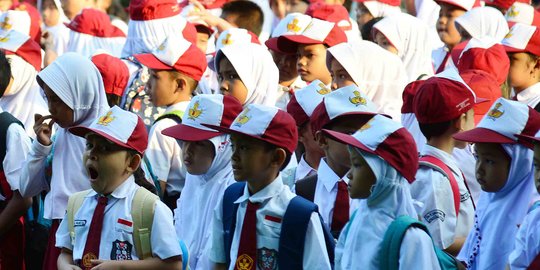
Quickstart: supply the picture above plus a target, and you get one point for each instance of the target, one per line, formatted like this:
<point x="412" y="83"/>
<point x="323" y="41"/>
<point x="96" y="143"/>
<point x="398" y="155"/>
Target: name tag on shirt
<point x="79" y="223"/>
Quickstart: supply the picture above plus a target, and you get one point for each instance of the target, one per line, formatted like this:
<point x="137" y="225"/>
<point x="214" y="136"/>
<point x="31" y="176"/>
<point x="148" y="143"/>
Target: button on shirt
<point x="273" y="200"/>
<point x="117" y="232"/>
<point x="435" y="200"/>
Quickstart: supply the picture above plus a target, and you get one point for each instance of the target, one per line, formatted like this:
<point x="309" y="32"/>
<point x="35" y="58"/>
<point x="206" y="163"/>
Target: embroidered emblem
<point x="106" y="119"/>
<point x="227" y="40"/>
<point x="293" y="26"/>
<point x="244" y="262"/>
<point x="267" y="259"/>
<point x="121" y="250"/>
<point x="323" y="90"/>
<point x="86" y="259"/>
<point x="512" y="12"/>
<point x="175" y="8"/>
<point x="509" y="35"/>
<point x="194" y="111"/>
<point x="4" y="39"/>
<point x="462" y="105"/>
<point x="464" y="197"/>
<point x="79" y="223"/>
<point x="5" y="24"/>
<point x="242" y="119"/>
<point x="495" y="112"/>
<point x="366" y="126"/>
<point x="434" y="215"/>
<point x="357" y="99"/>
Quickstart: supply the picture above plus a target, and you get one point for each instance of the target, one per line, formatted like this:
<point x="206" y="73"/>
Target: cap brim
<point x="189" y="133"/>
<point x="272" y="44"/>
<point x="509" y="49"/>
<point x="483" y="135"/>
<point x="151" y="62"/>
<point x="346" y="139"/>
<point x="83" y="131"/>
<point x="301" y="39"/>
<point x="211" y="64"/>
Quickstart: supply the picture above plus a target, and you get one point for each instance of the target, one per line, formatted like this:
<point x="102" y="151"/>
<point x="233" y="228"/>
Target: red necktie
<point x="247" y="250"/>
<point x="91" y="249"/>
<point x="341" y="207"/>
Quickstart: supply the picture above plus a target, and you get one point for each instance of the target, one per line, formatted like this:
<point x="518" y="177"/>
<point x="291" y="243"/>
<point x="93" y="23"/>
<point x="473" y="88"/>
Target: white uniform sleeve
<point x="217" y="250"/>
<point x="18" y="145"/>
<point x="315" y="254"/>
<point x="63" y="239"/>
<point x="165" y="243"/>
<point x="438" y="213"/>
<point x="33" y="179"/>
<point x="160" y="149"/>
<point x="527" y="244"/>
<point x="417" y="251"/>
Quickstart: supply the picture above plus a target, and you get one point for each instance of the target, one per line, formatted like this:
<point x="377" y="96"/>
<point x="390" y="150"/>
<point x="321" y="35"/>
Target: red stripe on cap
<point x="272" y="218"/>
<point x="125" y="222"/>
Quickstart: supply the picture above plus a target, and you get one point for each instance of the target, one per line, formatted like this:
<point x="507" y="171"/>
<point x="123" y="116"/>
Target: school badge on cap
<point x="522" y="13"/>
<point x="235" y="36"/>
<point x="292" y="24"/>
<point x="304" y="101"/>
<point x="523" y="38"/>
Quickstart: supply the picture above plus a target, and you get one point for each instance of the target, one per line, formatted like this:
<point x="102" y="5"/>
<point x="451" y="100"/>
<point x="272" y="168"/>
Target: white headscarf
<point x="88" y="45"/>
<point x="411" y="37"/>
<point x="484" y="21"/>
<point x="78" y="83"/>
<point x="378" y="72"/>
<point x="256" y="68"/>
<point x="24" y="99"/>
<point x="499" y="214"/>
<point x="379" y="9"/>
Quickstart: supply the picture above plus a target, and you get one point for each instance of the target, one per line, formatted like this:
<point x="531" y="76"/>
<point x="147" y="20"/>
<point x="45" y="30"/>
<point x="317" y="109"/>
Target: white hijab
<point x="499" y="214"/>
<point x="88" y="45"/>
<point x="256" y="68"/>
<point x="379" y="9"/>
<point x="24" y="99"/>
<point x="378" y="72"/>
<point x="390" y="198"/>
<point x="484" y="21"/>
<point x="78" y="83"/>
<point x="411" y="37"/>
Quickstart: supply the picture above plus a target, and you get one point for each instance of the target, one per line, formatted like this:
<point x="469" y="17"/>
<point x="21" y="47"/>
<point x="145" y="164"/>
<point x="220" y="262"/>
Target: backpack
<point x="389" y="252"/>
<point x="438" y="165"/>
<point x="293" y="228"/>
<point x="6" y="119"/>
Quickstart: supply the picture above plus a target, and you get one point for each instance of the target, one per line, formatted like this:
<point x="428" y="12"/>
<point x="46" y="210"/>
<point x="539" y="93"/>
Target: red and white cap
<point x="485" y="87"/>
<point x="529" y="141"/>
<point x="304" y="101"/>
<point x="291" y="24"/>
<point x="443" y="97"/>
<point x="523" y="38"/>
<point x="211" y="109"/>
<point x="95" y="23"/>
<point x="235" y="36"/>
<point x="315" y="31"/>
<point x="387" y="139"/>
<point x="505" y="119"/>
<point x="463" y="4"/>
<point x="29" y="13"/>
<point x="176" y="53"/>
<point x="337" y="14"/>
<point x="200" y="25"/>
<point x="522" y="13"/>
<point x="394" y="3"/>
<point x="485" y="54"/>
<point x="265" y="123"/>
<point x="208" y="4"/>
<point x="501" y="4"/>
<point x="14" y="42"/>
<point x="348" y="100"/>
<point x="408" y="96"/>
<point x="119" y="126"/>
<point x="114" y="72"/>
<point x="145" y="10"/>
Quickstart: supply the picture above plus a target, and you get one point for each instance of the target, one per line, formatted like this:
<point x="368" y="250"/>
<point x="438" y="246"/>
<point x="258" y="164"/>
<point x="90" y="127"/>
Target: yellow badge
<point x="357" y="99"/>
<point x="323" y="90"/>
<point x="509" y="35"/>
<point x="512" y="12"/>
<point x="244" y="262"/>
<point x="366" y="126"/>
<point x="4" y="39"/>
<point x="5" y="24"/>
<point x="227" y="40"/>
<point x="175" y="8"/>
<point x="86" y="260"/>
<point x="242" y="119"/>
<point x="106" y="119"/>
<point x="194" y="111"/>
<point x="293" y="26"/>
<point x="495" y="112"/>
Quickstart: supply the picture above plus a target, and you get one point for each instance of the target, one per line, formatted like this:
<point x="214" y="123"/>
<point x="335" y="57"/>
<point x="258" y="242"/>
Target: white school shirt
<point x="18" y="146"/>
<point x="193" y="217"/>
<point x="117" y="233"/>
<point x="165" y="154"/>
<point x="530" y="95"/>
<point x="274" y="200"/>
<point x="284" y="94"/>
<point x="433" y="192"/>
<point x="326" y="191"/>
<point x="527" y="244"/>
<point x="303" y="170"/>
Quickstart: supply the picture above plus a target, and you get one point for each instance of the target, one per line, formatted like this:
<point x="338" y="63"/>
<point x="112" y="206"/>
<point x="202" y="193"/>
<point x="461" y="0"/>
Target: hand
<point x="43" y="130"/>
<point x="105" y="265"/>
<point x="200" y="13"/>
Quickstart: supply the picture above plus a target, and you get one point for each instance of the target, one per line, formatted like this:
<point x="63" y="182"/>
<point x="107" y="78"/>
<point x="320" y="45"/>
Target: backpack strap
<point x="232" y="193"/>
<point x="6" y="119"/>
<point x="75" y="202"/>
<point x="306" y="187"/>
<point x="437" y="164"/>
<point x="174" y="115"/>
<point x="142" y="213"/>
<point x="154" y="177"/>
<point x="293" y="234"/>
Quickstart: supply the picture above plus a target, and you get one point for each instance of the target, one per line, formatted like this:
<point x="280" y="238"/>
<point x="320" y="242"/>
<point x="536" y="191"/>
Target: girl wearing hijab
<point x="384" y="160"/>
<point x="505" y="171"/>
<point x="207" y="157"/>
<point x="482" y="22"/>
<point x="75" y="96"/>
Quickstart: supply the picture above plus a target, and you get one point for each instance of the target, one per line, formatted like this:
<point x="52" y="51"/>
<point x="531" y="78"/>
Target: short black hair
<point x="5" y="72"/>
<point x="271" y="147"/>
<point x="435" y="129"/>
<point x="366" y="31"/>
<point x="139" y="175"/>
<point x="249" y="15"/>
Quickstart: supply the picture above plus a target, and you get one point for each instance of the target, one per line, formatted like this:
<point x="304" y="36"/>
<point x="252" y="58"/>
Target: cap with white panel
<point x="522" y="13"/>
<point x="15" y="42"/>
<point x="292" y="24"/>
<point x="304" y="101"/>
<point x="523" y="38"/>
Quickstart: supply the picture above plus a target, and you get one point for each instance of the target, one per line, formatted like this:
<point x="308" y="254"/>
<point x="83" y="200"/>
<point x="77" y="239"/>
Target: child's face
<point x="467" y="123"/>
<point x="73" y="7"/>
<point x="522" y="69"/>
<point x="445" y="24"/>
<point x="340" y="76"/>
<point x="230" y="83"/>
<point x="50" y="13"/>
<point x="161" y="87"/>
<point x="537" y="166"/>
<point x="287" y="66"/>
<point x="106" y="163"/>
<point x="202" y="41"/>
<point x="492" y="166"/>
<point x="311" y="63"/>
<point x="61" y="113"/>
<point x="198" y="156"/>
<point x="362" y="15"/>
<point x="251" y="158"/>
<point x="361" y="177"/>
<point x="385" y="43"/>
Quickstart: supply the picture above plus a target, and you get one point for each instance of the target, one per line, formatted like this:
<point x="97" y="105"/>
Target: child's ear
<point x="321" y="140"/>
<point x="181" y="84"/>
<point x="279" y="157"/>
<point x="133" y="163"/>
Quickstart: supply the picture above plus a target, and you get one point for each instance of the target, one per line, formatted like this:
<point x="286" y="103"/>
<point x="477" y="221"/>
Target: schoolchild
<point x="522" y="12"/>
<point x="480" y="22"/>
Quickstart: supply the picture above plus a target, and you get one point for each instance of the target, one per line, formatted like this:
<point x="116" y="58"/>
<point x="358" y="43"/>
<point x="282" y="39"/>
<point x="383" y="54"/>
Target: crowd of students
<point x="263" y="135"/>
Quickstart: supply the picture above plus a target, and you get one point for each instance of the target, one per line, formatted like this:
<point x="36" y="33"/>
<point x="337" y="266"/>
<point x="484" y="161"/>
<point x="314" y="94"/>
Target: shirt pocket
<point x="271" y="226"/>
<point x="123" y="230"/>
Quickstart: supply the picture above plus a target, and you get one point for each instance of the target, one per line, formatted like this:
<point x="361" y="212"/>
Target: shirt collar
<point x="122" y="191"/>
<point x="303" y="169"/>
<point x="443" y="156"/>
<point x="327" y="176"/>
<point x="529" y="93"/>
<point x="180" y="106"/>
<point x="267" y="192"/>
